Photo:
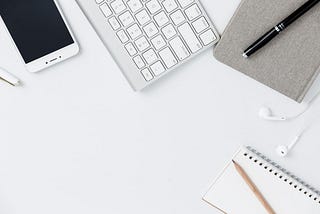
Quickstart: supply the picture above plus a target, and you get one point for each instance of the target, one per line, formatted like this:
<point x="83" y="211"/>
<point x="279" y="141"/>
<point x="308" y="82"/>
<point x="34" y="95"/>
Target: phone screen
<point x="36" y="27"/>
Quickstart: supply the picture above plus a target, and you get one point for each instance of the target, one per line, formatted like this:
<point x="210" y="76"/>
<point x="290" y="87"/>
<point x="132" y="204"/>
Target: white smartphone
<point x="39" y="31"/>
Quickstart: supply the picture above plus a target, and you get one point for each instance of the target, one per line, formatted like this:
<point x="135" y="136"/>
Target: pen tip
<point x="245" y="55"/>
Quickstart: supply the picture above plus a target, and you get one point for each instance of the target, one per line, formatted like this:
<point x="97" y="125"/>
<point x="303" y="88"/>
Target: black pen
<point x="266" y="38"/>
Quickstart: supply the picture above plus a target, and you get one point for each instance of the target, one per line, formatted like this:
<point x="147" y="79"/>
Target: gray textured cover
<point x="290" y="63"/>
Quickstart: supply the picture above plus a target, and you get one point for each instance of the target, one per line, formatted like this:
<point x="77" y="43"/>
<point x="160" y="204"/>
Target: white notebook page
<point x="285" y="195"/>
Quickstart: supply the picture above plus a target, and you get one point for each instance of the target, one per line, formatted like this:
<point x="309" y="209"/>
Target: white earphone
<point x="284" y="150"/>
<point x="266" y="113"/>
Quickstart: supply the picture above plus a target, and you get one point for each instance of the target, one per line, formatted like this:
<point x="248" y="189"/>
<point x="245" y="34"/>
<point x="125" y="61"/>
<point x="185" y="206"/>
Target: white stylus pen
<point x="9" y="78"/>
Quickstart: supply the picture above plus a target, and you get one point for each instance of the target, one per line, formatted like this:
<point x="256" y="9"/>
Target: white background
<point x="76" y="139"/>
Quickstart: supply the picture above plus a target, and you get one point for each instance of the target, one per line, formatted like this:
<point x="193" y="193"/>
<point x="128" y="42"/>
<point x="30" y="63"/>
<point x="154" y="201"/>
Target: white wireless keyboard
<point x="149" y="38"/>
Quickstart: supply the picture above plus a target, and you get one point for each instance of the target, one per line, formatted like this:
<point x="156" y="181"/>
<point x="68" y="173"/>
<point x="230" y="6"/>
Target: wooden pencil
<point x="253" y="188"/>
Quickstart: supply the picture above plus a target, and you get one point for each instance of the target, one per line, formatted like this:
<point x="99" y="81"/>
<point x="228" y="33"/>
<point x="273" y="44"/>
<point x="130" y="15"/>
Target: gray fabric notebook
<point x="291" y="62"/>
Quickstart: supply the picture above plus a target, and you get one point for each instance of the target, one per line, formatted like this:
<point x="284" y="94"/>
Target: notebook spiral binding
<point x="285" y="175"/>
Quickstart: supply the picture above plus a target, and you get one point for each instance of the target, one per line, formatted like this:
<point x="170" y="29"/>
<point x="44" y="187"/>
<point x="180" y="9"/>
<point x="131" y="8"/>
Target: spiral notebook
<point x="285" y="193"/>
<point x="288" y="64"/>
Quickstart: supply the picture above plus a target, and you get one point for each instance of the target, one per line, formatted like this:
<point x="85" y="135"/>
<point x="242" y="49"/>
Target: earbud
<point x="283" y="150"/>
<point x="266" y="113"/>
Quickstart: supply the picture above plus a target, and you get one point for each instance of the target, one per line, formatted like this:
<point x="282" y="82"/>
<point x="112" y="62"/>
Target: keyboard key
<point x="143" y="17"/>
<point x="114" y="23"/>
<point x="105" y="10"/>
<point x="168" y="57"/>
<point x="150" y="29"/>
<point x="99" y="1"/>
<point x="134" y="31"/>
<point x="179" y="48"/>
<point x="208" y="37"/>
<point x="131" y="49"/>
<point x="153" y="6"/>
<point x="150" y="56"/>
<point x="177" y="17"/>
<point x="134" y="5"/>
<point x="158" y="42"/>
<point x="193" y="12"/>
<point x="126" y="19"/>
<point x="142" y="43"/>
<point x="169" y="31"/>
<point x="139" y="62"/>
<point x="118" y="6"/>
<point x="170" y="5"/>
<point x="146" y="74"/>
<point x="157" y="68"/>
<point x="122" y="36"/>
<point x="189" y="37"/>
<point x="185" y="3"/>
<point x="161" y="19"/>
<point x="200" y="24"/>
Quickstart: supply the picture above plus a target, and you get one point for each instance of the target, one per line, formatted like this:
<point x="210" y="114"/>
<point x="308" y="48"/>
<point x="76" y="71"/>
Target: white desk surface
<point x="76" y="139"/>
